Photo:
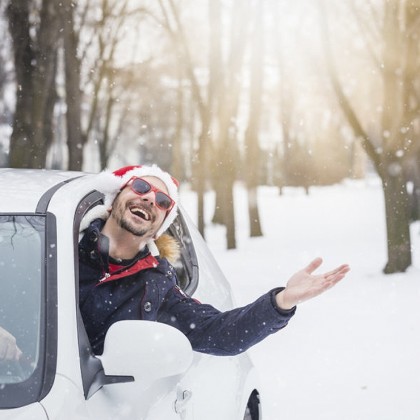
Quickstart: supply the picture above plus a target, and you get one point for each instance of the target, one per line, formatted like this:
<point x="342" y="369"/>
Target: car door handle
<point x="182" y="399"/>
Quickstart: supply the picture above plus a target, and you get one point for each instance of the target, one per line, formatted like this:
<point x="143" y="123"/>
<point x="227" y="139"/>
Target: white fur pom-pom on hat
<point x="110" y="184"/>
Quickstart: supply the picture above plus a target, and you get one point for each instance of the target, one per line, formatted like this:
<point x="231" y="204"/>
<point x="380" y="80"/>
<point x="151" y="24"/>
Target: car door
<point x="221" y="386"/>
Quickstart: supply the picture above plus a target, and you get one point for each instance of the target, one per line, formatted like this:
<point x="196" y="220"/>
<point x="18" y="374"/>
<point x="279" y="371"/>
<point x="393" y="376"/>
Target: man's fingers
<point x="335" y="276"/>
<point x="343" y="269"/>
<point x="313" y="265"/>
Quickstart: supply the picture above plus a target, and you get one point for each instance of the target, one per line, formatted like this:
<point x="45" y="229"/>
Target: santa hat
<point x="110" y="184"/>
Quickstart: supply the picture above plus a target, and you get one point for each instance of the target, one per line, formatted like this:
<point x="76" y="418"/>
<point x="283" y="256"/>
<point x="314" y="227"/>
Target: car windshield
<point x="21" y="280"/>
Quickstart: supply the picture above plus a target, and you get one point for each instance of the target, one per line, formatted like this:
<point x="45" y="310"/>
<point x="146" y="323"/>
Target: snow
<point x="352" y="353"/>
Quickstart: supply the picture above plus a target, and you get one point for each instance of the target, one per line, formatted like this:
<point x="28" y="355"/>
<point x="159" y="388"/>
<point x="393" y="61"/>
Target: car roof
<point x="22" y="189"/>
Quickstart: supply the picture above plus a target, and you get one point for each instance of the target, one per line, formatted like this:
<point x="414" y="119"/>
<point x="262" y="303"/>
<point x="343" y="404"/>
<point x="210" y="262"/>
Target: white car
<point x="148" y="369"/>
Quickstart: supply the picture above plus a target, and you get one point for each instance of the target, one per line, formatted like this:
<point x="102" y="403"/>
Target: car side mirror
<point x="146" y="350"/>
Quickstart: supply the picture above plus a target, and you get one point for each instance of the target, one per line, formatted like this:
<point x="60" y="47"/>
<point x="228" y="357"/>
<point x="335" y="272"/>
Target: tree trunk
<point x="252" y="170"/>
<point x="227" y="157"/>
<point x="35" y="67"/>
<point x="397" y="220"/>
<point x="214" y="93"/>
<point x="413" y="176"/>
<point x="218" y="181"/>
<point x="44" y="78"/>
<point x="226" y="194"/>
<point x="253" y="213"/>
<point x="49" y="123"/>
<point x="392" y="171"/>
<point x="104" y="144"/>
<point x="75" y="140"/>
<point x="200" y="171"/>
<point x="177" y="167"/>
<point x="20" y="141"/>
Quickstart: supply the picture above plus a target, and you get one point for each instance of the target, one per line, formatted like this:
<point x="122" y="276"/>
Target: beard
<point x="131" y="227"/>
<point x="118" y="211"/>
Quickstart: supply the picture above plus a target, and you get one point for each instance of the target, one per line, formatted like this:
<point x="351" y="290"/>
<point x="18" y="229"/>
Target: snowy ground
<point x="353" y="353"/>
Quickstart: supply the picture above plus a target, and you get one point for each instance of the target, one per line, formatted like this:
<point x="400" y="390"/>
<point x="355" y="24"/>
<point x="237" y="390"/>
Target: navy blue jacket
<point x="148" y="290"/>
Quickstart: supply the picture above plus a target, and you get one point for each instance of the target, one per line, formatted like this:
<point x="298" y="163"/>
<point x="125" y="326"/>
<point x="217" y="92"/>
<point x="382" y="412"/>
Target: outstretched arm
<point x="8" y="348"/>
<point x="305" y="285"/>
<point x="234" y="331"/>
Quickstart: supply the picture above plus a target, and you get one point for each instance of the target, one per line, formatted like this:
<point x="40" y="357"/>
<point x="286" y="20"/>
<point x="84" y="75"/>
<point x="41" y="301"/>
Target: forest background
<point x="264" y="92"/>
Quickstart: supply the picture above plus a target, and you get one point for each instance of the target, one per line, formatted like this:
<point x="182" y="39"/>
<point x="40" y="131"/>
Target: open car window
<point x="187" y="266"/>
<point x="93" y="376"/>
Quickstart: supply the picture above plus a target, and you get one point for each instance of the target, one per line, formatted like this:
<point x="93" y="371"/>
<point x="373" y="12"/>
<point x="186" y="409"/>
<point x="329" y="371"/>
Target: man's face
<point x="138" y="214"/>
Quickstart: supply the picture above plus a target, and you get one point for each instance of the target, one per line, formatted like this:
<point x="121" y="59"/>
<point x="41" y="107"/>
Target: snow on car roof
<point x="21" y="189"/>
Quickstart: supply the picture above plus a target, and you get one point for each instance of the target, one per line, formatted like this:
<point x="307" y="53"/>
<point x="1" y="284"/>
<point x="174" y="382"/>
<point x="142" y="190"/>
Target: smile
<point x="139" y="212"/>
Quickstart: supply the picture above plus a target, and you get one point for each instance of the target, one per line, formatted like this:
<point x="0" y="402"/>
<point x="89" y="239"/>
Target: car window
<point x="187" y="266"/>
<point x="28" y="273"/>
<point x="20" y="284"/>
<point x="91" y="367"/>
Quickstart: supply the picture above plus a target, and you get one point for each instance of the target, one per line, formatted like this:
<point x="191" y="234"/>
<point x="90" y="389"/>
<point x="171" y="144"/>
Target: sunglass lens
<point x="141" y="186"/>
<point x="163" y="201"/>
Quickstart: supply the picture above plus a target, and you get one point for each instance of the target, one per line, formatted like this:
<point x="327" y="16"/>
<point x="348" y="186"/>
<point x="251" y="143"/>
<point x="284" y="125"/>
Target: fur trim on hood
<point x="168" y="248"/>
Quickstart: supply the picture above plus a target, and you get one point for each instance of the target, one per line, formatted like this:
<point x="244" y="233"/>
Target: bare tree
<point x="75" y="140"/>
<point x="227" y="156"/>
<point x="398" y="141"/>
<point x="6" y="76"/>
<point x="35" y="36"/>
<point x="252" y="148"/>
<point x="172" y="23"/>
<point x="106" y="37"/>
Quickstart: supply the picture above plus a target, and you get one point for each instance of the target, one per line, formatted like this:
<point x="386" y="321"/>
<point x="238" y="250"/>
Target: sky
<point x="352" y="353"/>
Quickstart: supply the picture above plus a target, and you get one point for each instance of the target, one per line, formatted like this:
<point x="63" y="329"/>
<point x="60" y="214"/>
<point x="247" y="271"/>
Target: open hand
<point x="304" y="285"/>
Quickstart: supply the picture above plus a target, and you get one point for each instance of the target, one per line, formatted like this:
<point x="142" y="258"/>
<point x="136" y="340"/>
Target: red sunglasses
<point x="140" y="186"/>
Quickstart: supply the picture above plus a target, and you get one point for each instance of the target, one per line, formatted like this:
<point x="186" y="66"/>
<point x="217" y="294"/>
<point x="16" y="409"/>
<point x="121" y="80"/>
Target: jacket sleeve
<point x="224" y="333"/>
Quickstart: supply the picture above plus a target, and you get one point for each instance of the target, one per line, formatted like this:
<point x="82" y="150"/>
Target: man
<point x="124" y="276"/>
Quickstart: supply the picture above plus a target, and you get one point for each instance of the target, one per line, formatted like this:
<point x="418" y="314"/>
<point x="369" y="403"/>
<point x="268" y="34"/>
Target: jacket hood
<point x="168" y="248"/>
